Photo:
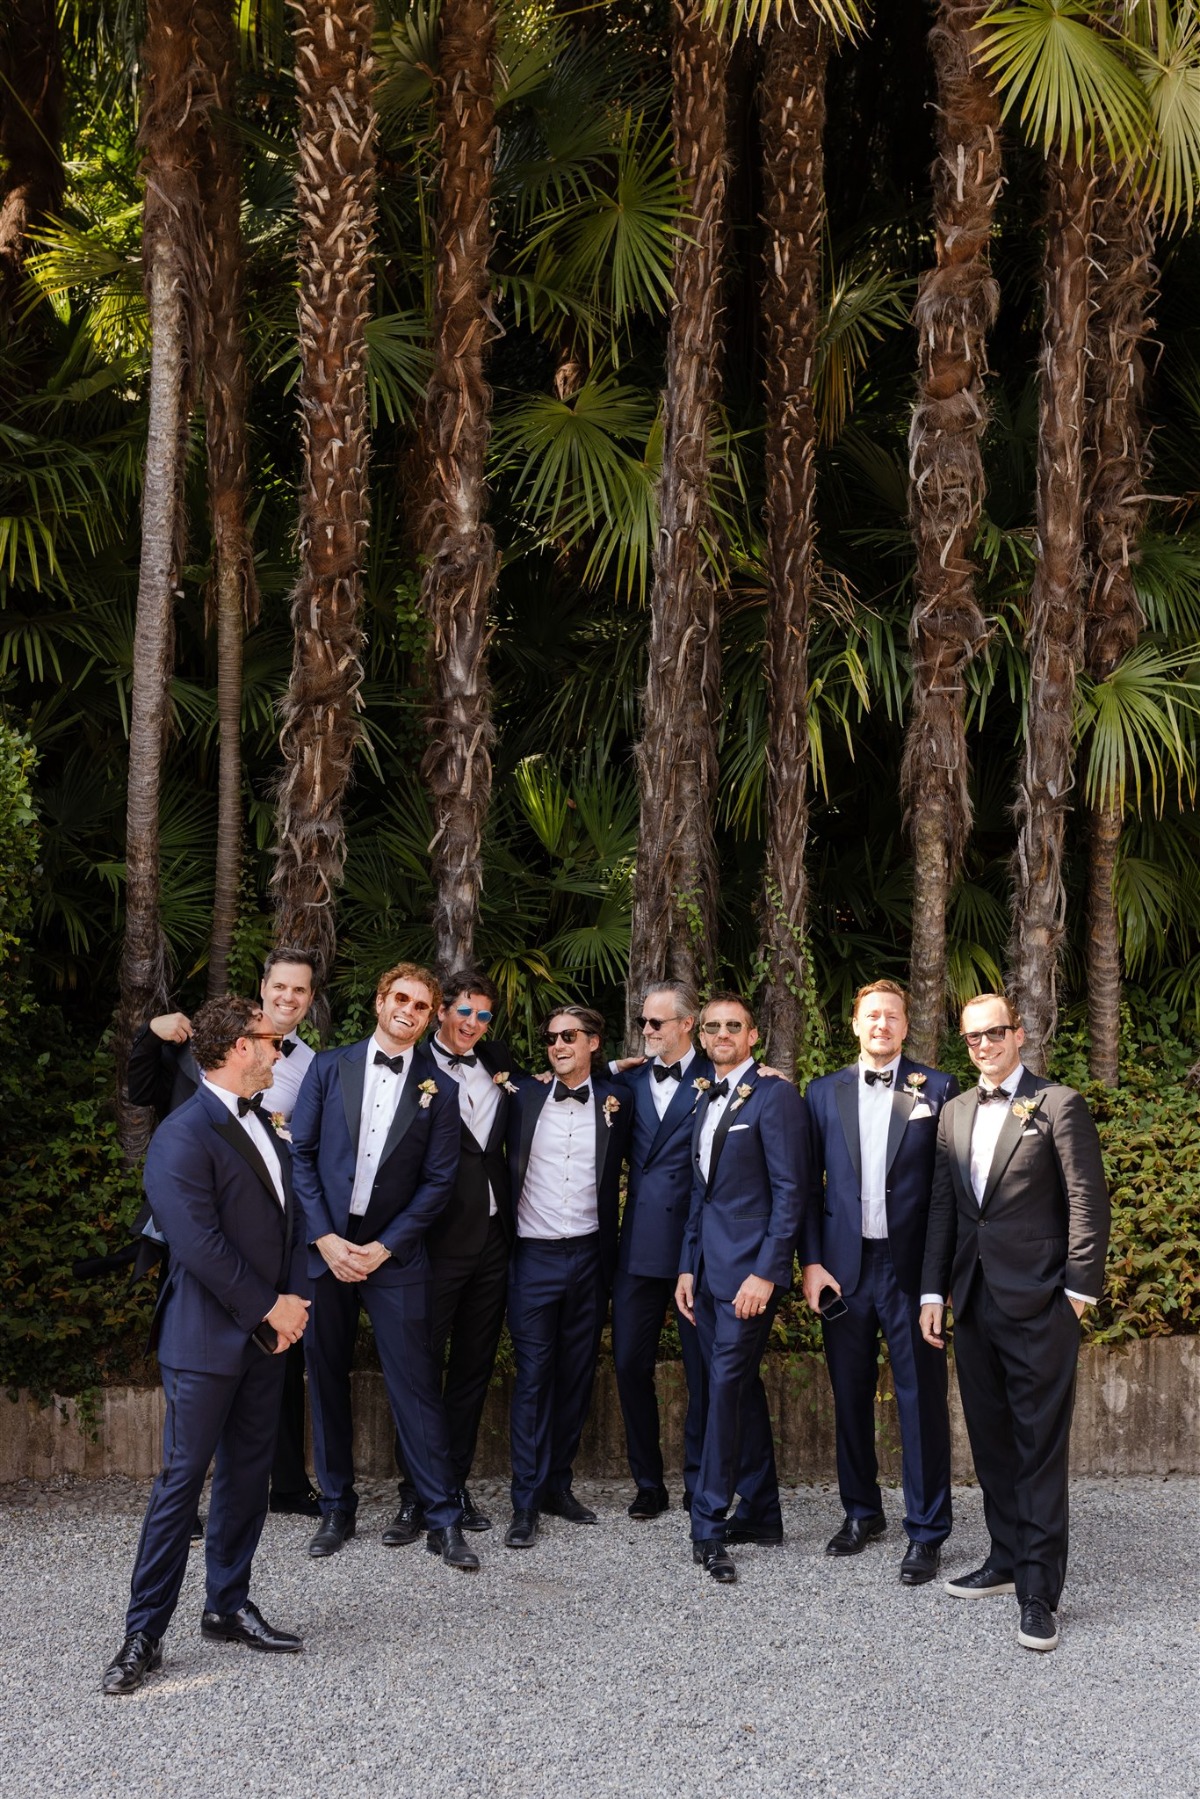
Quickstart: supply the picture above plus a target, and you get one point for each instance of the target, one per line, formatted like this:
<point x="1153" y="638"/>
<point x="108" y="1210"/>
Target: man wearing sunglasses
<point x="1018" y="1232"/>
<point x="874" y="1131"/>
<point x="750" y="1153"/>
<point x="469" y="1245"/>
<point x="375" y="1137"/>
<point x="567" y="1141"/>
<point x="659" y="1194"/>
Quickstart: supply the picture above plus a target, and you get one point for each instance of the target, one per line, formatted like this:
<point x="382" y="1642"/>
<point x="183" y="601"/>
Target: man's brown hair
<point x="465" y="981"/>
<point x="409" y="971"/>
<point x="727" y="997"/>
<point x="591" y="1022"/>
<point x="883" y="985"/>
<point x="219" y="1023"/>
<point x="1014" y="1017"/>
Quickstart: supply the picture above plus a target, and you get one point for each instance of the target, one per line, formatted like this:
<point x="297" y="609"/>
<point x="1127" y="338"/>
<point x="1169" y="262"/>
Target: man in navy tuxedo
<point x="217" y="1178"/>
<point x="874" y="1134"/>
<point x="566" y="1146"/>
<point x="656" y="1209"/>
<point x="375" y="1135"/>
<point x="750" y="1146"/>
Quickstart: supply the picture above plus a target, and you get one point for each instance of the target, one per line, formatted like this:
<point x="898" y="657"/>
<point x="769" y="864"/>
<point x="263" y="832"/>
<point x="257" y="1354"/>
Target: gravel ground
<point x="603" y="1663"/>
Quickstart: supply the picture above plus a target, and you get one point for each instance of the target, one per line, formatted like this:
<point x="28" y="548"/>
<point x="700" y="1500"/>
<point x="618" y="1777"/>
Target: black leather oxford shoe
<point x="753" y="1533"/>
<point x="138" y="1656"/>
<point x="650" y="1502"/>
<point x="472" y="1517"/>
<point x="407" y="1525"/>
<point x="295" y="1505"/>
<point x="337" y="1527"/>
<point x="921" y="1563"/>
<point x="565" y="1505"/>
<point x="522" y="1533"/>
<point x="248" y="1626"/>
<point x="717" y="1561"/>
<point x="452" y="1548"/>
<point x="855" y="1534"/>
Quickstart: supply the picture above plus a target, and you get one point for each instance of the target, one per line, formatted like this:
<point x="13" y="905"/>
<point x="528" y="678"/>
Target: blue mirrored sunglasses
<point x="470" y="1012"/>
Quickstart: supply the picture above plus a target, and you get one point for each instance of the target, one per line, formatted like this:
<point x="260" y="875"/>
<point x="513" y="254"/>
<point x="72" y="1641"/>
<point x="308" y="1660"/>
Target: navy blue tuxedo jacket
<point x="416" y="1172"/>
<point x="233" y="1248"/>
<point x="482" y="1169"/>
<point x="659" y="1193"/>
<point x="612" y="1141"/>
<point x="746" y="1217"/>
<point x="832" y="1231"/>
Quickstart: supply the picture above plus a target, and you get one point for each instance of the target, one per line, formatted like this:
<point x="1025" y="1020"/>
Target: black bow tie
<point x="987" y="1094"/>
<point x="579" y="1093"/>
<point x="673" y="1073"/>
<point x="882" y="1075"/>
<point x="720" y="1091"/>
<point x="287" y="1046"/>
<point x="253" y="1104"/>
<point x="395" y="1063"/>
<point x="452" y="1060"/>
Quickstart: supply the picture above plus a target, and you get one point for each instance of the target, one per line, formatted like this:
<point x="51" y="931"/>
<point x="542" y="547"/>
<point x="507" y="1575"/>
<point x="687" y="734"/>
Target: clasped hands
<point x="351" y="1261"/>
<point x="287" y="1318"/>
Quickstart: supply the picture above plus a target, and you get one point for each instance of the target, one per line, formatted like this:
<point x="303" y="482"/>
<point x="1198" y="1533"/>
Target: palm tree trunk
<point x="335" y="185"/>
<point x="673" y="931"/>
<point x="233" y="591"/>
<point x="1117" y="467"/>
<point x="173" y="121"/>
<point x="1056" y="611"/>
<point x="31" y="99"/>
<point x="461" y="563"/>
<point x="793" y="120"/>
<point x="956" y="307"/>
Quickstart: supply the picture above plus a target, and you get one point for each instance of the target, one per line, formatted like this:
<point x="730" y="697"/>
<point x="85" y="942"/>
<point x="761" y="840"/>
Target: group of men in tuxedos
<point x="441" y="1188"/>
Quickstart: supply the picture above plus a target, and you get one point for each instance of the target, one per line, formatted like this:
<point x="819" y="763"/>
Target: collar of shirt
<point x="1011" y="1081"/>
<point x="736" y="1074"/>
<point x="685" y="1062"/>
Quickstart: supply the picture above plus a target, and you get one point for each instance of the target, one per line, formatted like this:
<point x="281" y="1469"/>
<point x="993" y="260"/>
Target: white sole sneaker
<point x="1042" y="1644"/>
<point x="964" y="1592"/>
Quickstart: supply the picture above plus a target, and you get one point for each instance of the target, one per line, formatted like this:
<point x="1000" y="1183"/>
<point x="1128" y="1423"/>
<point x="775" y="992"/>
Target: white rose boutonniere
<point x="701" y="1085"/>
<point x="742" y="1095"/>
<point x="427" y="1089"/>
<point x="612" y="1104"/>
<point x="502" y="1080"/>
<point x="279" y="1126"/>
<point x="1024" y="1109"/>
<point x="914" y="1083"/>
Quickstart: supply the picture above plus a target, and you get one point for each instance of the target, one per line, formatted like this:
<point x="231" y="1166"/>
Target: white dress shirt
<point x="663" y="1092"/>
<point x="714" y="1111"/>
<point x="382" y="1088"/>
<point x="874" y="1119"/>
<point x="478" y="1099"/>
<point x="287" y="1075"/>
<point x="260" y="1134"/>
<point x="558" y="1197"/>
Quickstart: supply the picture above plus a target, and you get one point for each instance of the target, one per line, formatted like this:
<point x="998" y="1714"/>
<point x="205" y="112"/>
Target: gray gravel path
<point x="602" y="1663"/>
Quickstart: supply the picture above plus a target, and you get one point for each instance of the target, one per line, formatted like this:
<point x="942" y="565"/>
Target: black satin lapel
<point x="603" y="1133"/>
<point x="237" y="1139"/>
<point x="964" y="1123"/>
<point x="1006" y="1143"/>
<point x="352" y="1075"/>
<point x="682" y="1103"/>
<point x="190" y="1066"/>
<point x="847" y="1105"/>
<point x="534" y="1094"/>
<point x="406" y="1110"/>
<point x="902" y="1105"/>
<point x="722" y="1130"/>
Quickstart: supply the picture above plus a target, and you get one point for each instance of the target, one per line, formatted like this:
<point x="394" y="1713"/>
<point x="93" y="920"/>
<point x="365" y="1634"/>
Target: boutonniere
<point x="502" y="1080"/>
<point x="279" y="1126"/>
<point x="700" y="1084"/>
<point x="427" y="1089"/>
<point x="914" y="1083"/>
<point x="743" y="1093"/>
<point x="1024" y="1109"/>
<point x="612" y="1104"/>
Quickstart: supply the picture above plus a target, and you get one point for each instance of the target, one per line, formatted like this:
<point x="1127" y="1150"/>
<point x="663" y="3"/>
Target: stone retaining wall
<point x="1137" y="1412"/>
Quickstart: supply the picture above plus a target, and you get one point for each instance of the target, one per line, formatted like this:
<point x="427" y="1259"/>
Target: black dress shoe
<point x="686" y="1501"/>
<point x="138" y="1656"/>
<point x="981" y="1583"/>
<point x="198" y="1528"/>
<point x="736" y="1532"/>
<point x="337" y="1527"/>
<point x="718" y="1563"/>
<point x="250" y="1627"/>
<point x="296" y="1505"/>
<point x="472" y="1517"/>
<point x="407" y="1525"/>
<point x="565" y="1505"/>
<point x="921" y="1562"/>
<point x="650" y="1502"/>
<point x="450" y="1545"/>
<point x="522" y="1533"/>
<point x="855" y="1534"/>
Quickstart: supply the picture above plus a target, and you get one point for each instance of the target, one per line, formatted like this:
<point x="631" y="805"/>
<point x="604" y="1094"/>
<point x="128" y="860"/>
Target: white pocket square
<point x="738" y="1127"/>
<point x="920" y="1110"/>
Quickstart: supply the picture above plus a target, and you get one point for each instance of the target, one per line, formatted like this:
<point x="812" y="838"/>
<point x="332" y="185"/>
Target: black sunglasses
<point x="993" y="1034"/>
<point x="655" y="1024"/>
<point x="568" y="1036"/>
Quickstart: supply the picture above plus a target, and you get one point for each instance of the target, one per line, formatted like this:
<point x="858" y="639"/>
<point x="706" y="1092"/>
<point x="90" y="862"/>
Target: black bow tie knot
<point x="672" y="1073"/>
<point x="882" y="1075"/>
<point x="288" y="1045"/>
<point x="579" y="1093"/>
<point x="253" y="1104"/>
<point x="987" y="1094"/>
<point x="452" y="1059"/>
<point x="395" y="1063"/>
<point x="719" y="1091"/>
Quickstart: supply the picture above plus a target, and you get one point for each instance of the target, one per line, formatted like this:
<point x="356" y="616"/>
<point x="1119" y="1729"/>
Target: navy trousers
<point x="738" y="1452"/>
<point x="289" y="1471"/>
<point x="231" y="1416"/>
<point x="557" y="1299"/>
<point x="878" y="1306"/>
<point x="401" y="1319"/>
<point x="639" y="1304"/>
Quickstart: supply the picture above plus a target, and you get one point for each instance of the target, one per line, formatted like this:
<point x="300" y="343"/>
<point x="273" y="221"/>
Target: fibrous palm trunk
<point x="1056" y="611"/>
<point x="335" y="185"/>
<point x="31" y="97"/>
<point x="233" y="590"/>
<point x="957" y="302"/>
<point x="1117" y="465"/>
<point x="461" y="565"/>
<point x="673" y="932"/>
<point x="793" y="120"/>
<point x="176" y="97"/>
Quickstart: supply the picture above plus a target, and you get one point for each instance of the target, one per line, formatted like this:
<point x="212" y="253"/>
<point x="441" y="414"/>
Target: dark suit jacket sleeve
<point x="691" y="1230"/>
<point x="306" y="1145"/>
<point x="814" y="1199"/>
<point x="1076" y="1145"/>
<point x="941" y="1228"/>
<point x="785" y="1147"/>
<point x="149" y="1076"/>
<point x="439" y="1169"/>
<point x="179" y="1185"/>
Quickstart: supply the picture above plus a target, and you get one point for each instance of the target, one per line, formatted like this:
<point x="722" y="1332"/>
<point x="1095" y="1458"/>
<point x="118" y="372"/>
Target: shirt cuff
<point x="932" y="1299"/>
<point x="1086" y="1298"/>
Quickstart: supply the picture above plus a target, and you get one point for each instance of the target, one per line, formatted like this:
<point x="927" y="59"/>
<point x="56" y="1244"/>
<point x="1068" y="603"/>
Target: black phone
<point x="830" y="1303"/>
<point x="265" y="1337"/>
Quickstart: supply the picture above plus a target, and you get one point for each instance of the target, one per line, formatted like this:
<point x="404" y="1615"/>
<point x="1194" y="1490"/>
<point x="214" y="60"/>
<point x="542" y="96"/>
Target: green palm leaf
<point x="1132" y="721"/>
<point x="1066" y="71"/>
